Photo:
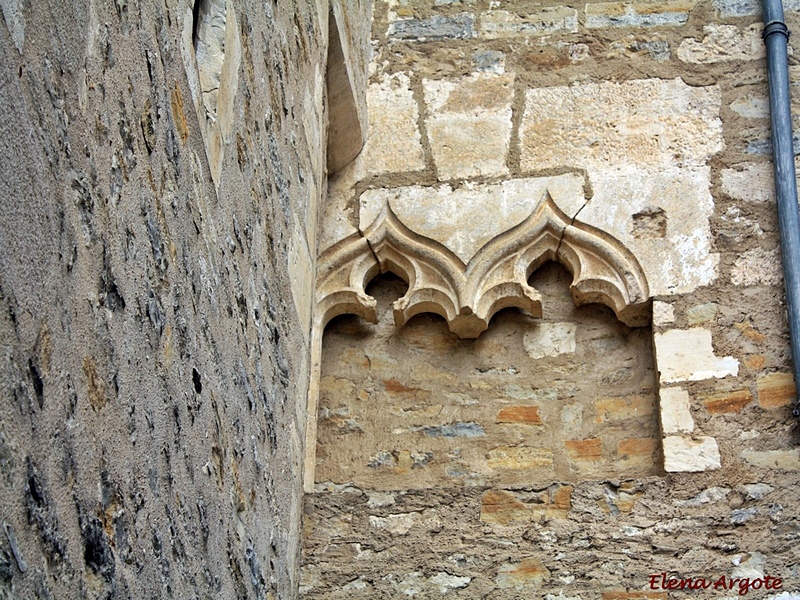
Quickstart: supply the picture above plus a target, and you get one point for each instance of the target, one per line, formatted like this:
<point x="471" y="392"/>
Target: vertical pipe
<point x="776" y="37"/>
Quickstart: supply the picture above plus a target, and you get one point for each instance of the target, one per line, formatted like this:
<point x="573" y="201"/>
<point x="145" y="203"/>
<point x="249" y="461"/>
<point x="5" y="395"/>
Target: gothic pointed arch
<point x="467" y="283"/>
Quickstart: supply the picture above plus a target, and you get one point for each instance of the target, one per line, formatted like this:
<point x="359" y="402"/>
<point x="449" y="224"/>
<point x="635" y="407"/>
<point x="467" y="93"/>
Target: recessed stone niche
<point x="567" y="397"/>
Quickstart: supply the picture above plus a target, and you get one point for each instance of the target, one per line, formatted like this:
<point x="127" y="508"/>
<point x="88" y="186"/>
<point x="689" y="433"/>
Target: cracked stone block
<point x="689" y="455"/>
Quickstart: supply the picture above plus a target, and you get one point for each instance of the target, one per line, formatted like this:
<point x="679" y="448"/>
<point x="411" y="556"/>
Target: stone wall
<point x="641" y="124"/>
<point x="162" y="169"/>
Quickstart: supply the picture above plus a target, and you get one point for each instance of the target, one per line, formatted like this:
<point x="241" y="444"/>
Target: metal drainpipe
<point x="776" y="38"/>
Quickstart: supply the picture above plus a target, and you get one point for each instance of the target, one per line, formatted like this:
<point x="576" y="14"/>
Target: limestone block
<point x="688" y="355"/>
<point x="648" y="122"/>
<point x="393" y="141"/>
<point x="638" y="14"/>
<point x="530" y="572"/>
<point x="751" y="106"/>
<point x="549" y="339"/>
<point x="545" y="21"/>
<point x="680" y="261"/>
<point x="758" y="267"/>
<point x="751" y="182"/>
<point x="688" y="455"/>
<point x="663" y="313"/>
<point x="723" y="43"/>
<point x="728" y="402"/>
<point x="776" y="390"/>
<point x="430" y="211"/>
<point x="781" y="460"/>
<point x="445" y="582"/>
<point x="437" y="27"/>
<point x="469" y="124"/>
<point x="519" y="457"/>
<point x="675" y="414"/>
<point x="702" y="313"/>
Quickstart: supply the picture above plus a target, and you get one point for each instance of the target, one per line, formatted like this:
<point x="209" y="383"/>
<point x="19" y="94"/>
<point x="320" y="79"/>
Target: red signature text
<point x="663" y="581"/>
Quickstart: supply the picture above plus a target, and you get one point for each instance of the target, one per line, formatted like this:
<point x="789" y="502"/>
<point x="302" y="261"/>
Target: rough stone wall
<point x="658" y="111"/>
<point x="158" y="230"/>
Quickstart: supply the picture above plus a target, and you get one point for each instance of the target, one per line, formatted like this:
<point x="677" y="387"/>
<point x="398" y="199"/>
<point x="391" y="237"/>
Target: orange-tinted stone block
<point x="591" y="449"/>
<point x="727" y="402"/>
<point x="528" y="415"/>
<point x="776" y="390"/>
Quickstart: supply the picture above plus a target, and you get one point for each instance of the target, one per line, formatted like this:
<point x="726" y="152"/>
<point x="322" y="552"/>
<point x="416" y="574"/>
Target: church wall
<point x="645" y="121"/>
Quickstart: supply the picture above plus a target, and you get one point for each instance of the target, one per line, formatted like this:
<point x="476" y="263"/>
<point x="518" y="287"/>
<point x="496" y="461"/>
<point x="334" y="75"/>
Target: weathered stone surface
<point x="461" y="111"/>
<point x="429" y="211"/>
<point x="782" y="460"/>
<point x="654" y="13"/>
<point x="682" y="260"/>
<point x="644" y="122"/>
<point x="683" y="454"/>
<point x="776" y="390"/>
<point x="393" y="140"/>
<point x="663" y="313"/>
<point x="751" y="106"/>
<point x="749" y="182"/>
<point x="727" y="402"/>
<point x="550" y="339"/>
<point x="437" y="27"/>
<point x="675" y="414"/>
<point x="723" y="43"/>
<point x="687" y="355"/>
<point x="546" y="21"/>
<point x="527" y="573"/>
<point x="758" y="267"/>
<point x="702" y="313"/>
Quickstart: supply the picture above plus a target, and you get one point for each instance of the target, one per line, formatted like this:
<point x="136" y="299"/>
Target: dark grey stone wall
<point x="153" y="358"/>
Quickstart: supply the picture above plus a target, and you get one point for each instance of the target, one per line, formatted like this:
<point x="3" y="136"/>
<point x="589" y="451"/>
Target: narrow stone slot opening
<point x="208" y="36"/>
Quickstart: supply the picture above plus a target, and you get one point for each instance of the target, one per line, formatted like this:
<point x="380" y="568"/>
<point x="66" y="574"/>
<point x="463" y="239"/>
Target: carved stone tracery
<point x="467" y="294"/>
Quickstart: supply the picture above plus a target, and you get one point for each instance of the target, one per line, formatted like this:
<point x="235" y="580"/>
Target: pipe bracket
<point x="775" y="27"/>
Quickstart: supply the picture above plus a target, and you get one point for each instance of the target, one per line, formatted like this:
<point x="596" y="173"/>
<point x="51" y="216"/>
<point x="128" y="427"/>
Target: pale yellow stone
<point x="530" y="572"/>
<point x="393" y="140"/>
<point x="646" y="122"/>
<point x="469" y="124"/>
<point x="758" y="267"/>
<point x="545" y="21"/>
<point x="682" y="260"/>
<point x="440" y="212"/>
<point x="519" y="457"/>
<point x="663" y="313"/>
<point x="688" y="355"/>
<point x="782" y="460"/>
<point x="549" y="339"/>
<point x="723" y="42"/>
<point x="675" y="414"/>
<point x="688" y="455"/>
<point x="301" y="277"/>
<point x="750" y="182"/>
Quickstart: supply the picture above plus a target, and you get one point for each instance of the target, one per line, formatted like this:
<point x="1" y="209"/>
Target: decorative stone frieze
<point x="467" y="274"/>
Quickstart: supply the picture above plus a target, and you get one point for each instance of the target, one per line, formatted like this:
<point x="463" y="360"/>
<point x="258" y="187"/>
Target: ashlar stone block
<point x="394" y="141"/>
<point x="688" y="355"/>
<point x="646" y="122"/>
<point x="723" y="43"/>
<point x="469" y="124"/>
<point x="689" y="455"/>
<point x="675" y="414"/>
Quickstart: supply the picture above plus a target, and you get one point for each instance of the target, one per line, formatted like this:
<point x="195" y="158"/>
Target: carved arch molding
<point x="466" y="266"/>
